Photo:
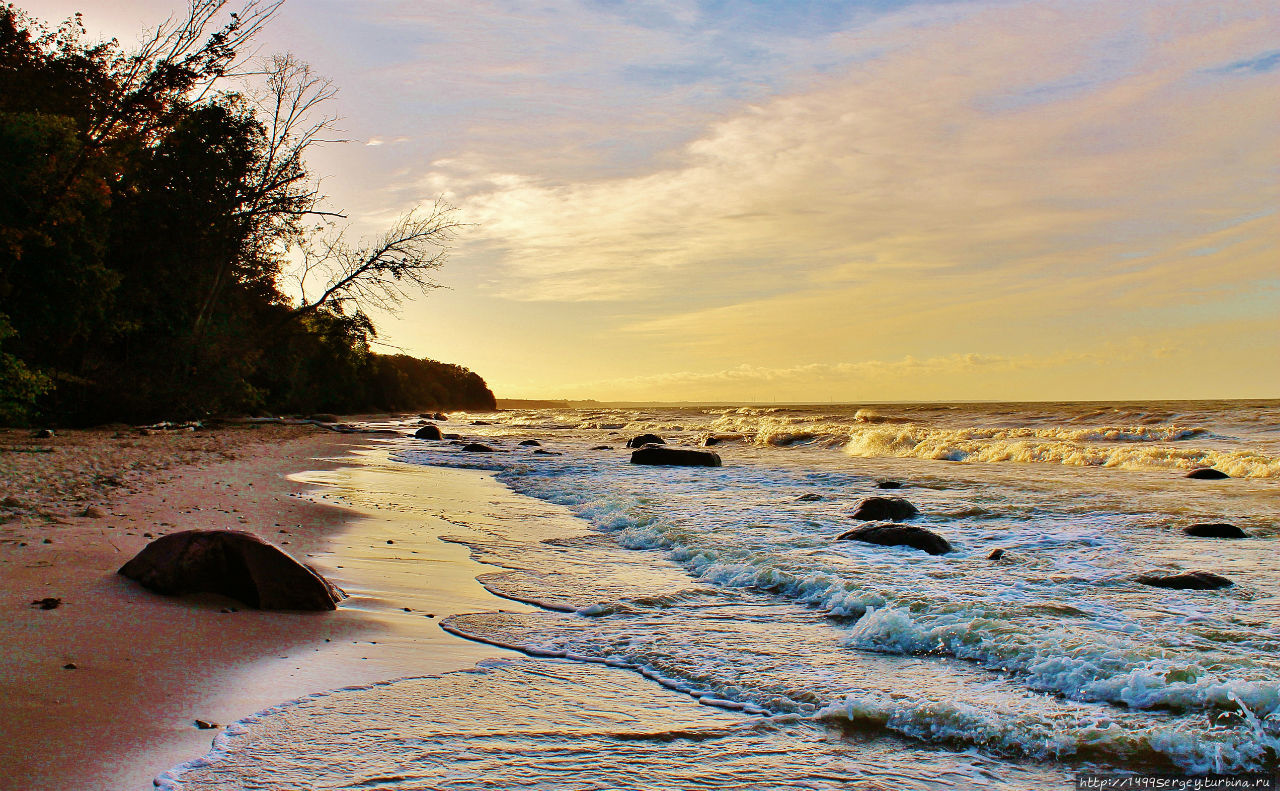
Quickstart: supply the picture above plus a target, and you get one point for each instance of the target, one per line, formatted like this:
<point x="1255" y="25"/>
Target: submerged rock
<point x="429" y="431"/>
<point x="876" y="508"/>
<point x="675" y="457"/>
<point x="811" y="497"/>
<point x="996" y="554"/>
<point x="715" y="439"/>
<point x="532" y="443"/>
<point x="232" y="563"/>
<point x="1207" y="474"/>
<point x="1191" y="580"/>
<point x="892" y="535"/>
<point x="1215" y="530"/>
<point x="603" y="447"/>
<point x="645" y="439"/>
<point x="476" y="447"/>
<point x="888" y="485"/>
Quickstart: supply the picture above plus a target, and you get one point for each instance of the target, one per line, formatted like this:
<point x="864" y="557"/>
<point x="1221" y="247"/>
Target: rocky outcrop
<point x="429" y="431"/>
<point x="894" y="509"/>
<point x="675" y="457"/>
<point x="232" y="563"/>
<point x="894" y="535"/>
<point x="645" y="439"/>
<point x="1207" y="474"/>
<point x="1191" y="580"/>
<point x="1215" y="530"/>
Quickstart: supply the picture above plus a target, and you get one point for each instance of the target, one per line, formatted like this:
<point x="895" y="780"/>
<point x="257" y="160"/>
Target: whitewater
<point x="824" y="663"/>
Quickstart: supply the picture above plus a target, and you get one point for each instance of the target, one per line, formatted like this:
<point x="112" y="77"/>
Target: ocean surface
<point x="702" y="628"/>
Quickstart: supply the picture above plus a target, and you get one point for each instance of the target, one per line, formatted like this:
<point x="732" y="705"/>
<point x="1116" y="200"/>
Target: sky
<point x="741" y="200"/>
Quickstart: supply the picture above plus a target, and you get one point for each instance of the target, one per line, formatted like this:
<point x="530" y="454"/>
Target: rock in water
<point x="888" y="485"/>
<point x="809" y="497"/>
<point x="1191" y="580"/>
<point x="996" y="554"/>
<point x="876" y="508"/>
<point x="891" y="535"/>
<point x="533" y="443"/>
<point x="429" y="431"/>
<point x="1207" y="474"/>
<point x="645" y="439"/>
<point x="1215" y="531"/>
<point x="235" y="564"/>
<point x="476" y="447"/>
<point x="675" y="457"/>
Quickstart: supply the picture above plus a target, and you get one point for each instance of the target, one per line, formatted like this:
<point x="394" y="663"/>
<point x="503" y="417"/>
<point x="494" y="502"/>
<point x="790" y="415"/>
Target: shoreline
<point x="147" y="666"/>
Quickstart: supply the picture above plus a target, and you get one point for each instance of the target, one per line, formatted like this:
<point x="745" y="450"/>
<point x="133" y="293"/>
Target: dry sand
<point x="147" y="667"/>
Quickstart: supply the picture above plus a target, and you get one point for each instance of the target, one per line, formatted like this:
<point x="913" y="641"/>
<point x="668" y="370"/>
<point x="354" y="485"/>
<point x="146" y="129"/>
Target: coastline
<point x="146" y="666"/>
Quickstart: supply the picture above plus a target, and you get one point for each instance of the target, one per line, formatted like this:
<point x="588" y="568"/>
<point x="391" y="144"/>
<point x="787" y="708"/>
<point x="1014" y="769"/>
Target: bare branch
<point x="382" y="274"/>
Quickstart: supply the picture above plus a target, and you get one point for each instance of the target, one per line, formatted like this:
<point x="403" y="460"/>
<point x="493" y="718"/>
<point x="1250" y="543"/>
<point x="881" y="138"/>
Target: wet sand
<point x="147" y="667"/>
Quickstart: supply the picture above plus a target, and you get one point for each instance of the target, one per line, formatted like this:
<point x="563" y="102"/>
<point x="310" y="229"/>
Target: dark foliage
<point x="144" y="221"/>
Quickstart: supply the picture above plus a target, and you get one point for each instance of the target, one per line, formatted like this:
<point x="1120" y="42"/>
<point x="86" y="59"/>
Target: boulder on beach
<point x="894" y="535"/>
<point x="1215" y="530"/>
<point x="1207" y="474"/>
<point x="476" y="447"/>
<point x="533" y="443"/>
<point x="645" y="439"/>
<point x="1190" y="580"/>
<point x="429" y="431"/>
<point x="232" y="563"/>
<point x="874" y="509"/>
<point x="675" y="457"/>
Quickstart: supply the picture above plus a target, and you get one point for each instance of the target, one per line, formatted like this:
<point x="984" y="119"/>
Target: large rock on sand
<point x="675" y="457"/>
<point x="235" y="564"/>
<point x="892" y="535"/>
<point x="1191" y="580"/>
<point x="429" y="431"/>
<point x="875" y="509"/>
<point x="645" y="439"/>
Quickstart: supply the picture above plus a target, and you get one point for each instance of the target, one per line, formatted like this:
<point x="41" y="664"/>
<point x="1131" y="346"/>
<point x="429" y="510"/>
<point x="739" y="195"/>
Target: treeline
<point x="150" y="222"/>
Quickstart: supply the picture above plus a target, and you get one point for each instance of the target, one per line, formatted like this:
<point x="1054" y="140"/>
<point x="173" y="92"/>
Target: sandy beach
<point x="147" y="667"/>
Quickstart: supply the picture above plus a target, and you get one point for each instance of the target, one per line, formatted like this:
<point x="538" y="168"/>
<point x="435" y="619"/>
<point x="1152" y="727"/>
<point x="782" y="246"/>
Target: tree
<point x="379" y="274"/>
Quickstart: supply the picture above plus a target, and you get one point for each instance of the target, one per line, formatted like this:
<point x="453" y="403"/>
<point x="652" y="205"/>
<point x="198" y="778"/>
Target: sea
<point x="704" y="628"/>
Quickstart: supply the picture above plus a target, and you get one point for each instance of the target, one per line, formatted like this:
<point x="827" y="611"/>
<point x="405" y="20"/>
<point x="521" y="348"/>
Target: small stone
<point x="1215" y="530"/>
<point x="531" y="442"/>
<point x="406" y="609"/>
<point x="48" y="603"/>
<point x="205" y="725"/>
<point x="389" y="541"/>
<point x="93" y="512"/>
<point x="69" y="666"/>
<point x="996" y="554"/>
<point x="47" y="541"/>
<point x="44" y="433"/>
<point x="147" y="535"/>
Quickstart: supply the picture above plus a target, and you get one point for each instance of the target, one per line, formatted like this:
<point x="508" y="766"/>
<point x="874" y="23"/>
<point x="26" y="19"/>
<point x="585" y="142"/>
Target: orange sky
<point x="825" y="201"/>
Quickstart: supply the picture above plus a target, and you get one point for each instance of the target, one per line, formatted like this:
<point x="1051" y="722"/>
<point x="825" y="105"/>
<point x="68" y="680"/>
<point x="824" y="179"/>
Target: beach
<point x="690" y="627"/>
<point x="146" y="666"/>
